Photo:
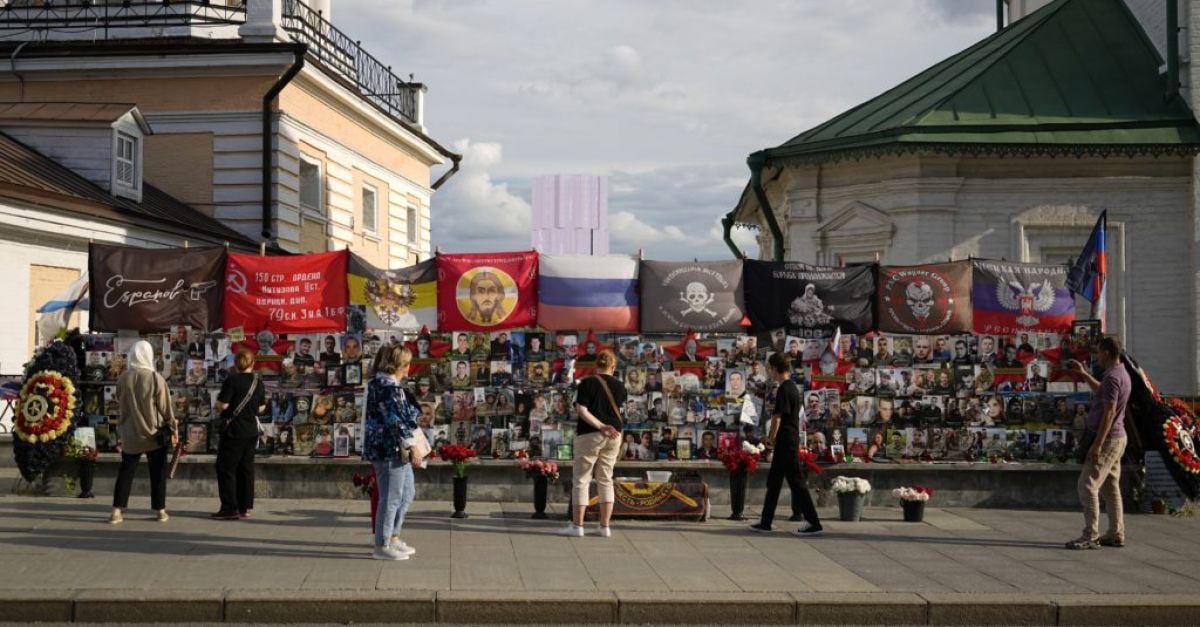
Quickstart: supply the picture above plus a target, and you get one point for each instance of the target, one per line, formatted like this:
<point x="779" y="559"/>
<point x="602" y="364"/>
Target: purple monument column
<point x="570" y="214"/>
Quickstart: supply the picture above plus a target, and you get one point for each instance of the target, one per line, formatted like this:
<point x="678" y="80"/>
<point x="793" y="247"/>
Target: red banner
<point x="296" y="294"/>
<point x="487" y="291"/>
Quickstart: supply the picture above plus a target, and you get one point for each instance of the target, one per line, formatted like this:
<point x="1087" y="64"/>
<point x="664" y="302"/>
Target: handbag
<point x="612" y="401"/>
<point x="162" y="436"/>
<point x="227" y="420"/>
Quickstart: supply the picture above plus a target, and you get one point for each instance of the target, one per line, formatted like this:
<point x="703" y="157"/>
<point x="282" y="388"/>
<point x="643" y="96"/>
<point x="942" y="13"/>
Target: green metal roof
<point x="1077" y="73"/>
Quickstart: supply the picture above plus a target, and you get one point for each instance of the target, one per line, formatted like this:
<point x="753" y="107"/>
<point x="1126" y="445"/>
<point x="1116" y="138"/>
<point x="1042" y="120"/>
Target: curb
<point x="500" y="607"/>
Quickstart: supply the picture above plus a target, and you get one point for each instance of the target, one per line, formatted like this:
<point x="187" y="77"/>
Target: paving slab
<point x="288" y="607"/>
<point x="991" y="609"/>
<point x="465" y="607"/>
<point x="712" y="608"/>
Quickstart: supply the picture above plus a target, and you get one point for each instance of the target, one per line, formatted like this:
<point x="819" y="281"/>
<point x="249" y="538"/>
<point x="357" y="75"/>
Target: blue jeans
<point x="396" y="491"/>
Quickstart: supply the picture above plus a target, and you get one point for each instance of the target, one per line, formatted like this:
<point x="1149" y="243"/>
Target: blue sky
<point x="666" y="97"/>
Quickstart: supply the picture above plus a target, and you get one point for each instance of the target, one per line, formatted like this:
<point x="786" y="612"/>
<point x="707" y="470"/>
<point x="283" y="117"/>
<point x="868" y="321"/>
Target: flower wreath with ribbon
<point x="1177" y="434"/>
<point x="45" y="408"/>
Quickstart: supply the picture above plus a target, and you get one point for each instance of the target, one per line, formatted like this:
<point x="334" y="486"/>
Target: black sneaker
<point x="809" y="530"/>
<point x="224" y="516"/>
<point x="1111" y="542"/>
<point x="761" y="528"/>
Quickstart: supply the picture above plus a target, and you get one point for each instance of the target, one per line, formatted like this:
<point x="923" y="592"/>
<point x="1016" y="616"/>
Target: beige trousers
<point x="1103" y="476"/>
<point x="594" y="453"/>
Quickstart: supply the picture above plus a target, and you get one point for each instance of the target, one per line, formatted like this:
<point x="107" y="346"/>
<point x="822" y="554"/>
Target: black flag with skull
<point x="703" y="296"/>
<point x="809" y="301"/>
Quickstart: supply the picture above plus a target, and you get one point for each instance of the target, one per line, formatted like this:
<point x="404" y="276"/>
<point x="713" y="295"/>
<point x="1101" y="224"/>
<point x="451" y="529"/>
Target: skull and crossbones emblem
<point x="697" y="298"/>
<point x="919" y="297"/>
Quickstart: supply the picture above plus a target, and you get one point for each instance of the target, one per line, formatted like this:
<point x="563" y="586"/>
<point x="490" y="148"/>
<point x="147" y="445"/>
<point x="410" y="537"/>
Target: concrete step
<point x="492" y="607"/>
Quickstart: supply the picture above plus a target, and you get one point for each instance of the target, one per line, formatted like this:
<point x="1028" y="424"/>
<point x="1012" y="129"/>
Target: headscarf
<point x="142" y="356"/>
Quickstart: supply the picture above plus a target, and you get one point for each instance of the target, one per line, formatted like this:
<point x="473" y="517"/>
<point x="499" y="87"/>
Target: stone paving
<point x="307" y="561"/>
<point x="322" y="545"/>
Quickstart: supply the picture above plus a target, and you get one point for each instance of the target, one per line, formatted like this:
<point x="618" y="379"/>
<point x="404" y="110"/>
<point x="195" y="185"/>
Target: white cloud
<point x="667" y="97"/>
<point x="473" y="210"/>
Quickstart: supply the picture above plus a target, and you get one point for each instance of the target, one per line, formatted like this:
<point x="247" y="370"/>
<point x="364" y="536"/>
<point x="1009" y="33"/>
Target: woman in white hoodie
<point x="145" y="409"/>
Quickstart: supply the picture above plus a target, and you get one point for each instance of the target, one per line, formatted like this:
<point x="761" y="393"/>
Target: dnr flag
<point x="584" y="292"/>
<point x="403" y="299"/>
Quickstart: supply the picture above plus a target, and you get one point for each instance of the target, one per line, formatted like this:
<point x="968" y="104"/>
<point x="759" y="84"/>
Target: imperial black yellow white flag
<point x="402" y="299"/>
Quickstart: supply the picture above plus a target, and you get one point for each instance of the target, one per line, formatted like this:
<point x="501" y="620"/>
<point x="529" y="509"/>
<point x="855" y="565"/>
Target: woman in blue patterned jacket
<point x="391" y="419"/>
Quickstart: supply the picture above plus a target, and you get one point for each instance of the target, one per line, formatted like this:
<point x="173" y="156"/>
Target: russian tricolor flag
<point x="1089" y="276"/>
<point x="586" y="292"/>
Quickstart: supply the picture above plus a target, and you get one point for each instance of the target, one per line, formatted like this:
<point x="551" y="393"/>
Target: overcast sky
<point x="666" y="97"/>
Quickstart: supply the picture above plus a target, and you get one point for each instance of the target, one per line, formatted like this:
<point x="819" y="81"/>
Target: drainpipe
<point x="12" y="61"/>
<point x="1172" y="50"/>
<point x="999" y="15"/>
<point x="757" y="161"/>
<point x="456" y="159"/>
<point x="268" y="100"/>
<point x="727" y="223"/>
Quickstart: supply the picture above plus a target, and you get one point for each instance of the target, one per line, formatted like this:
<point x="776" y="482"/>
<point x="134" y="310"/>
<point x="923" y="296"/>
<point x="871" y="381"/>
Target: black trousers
<point x="158" y="478"/>
<point x="786" y="466"/>
<point x="235" y="474"/>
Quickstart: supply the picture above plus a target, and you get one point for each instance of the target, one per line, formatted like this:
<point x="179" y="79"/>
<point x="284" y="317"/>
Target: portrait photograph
<point x="352" y="374"/>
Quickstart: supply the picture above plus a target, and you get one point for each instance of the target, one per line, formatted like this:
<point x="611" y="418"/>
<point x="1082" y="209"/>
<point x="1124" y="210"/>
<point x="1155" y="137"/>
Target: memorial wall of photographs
<point x="887" y="397"/>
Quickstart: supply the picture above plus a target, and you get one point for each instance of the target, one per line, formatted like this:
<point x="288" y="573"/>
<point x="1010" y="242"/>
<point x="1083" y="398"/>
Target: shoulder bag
<point x="612" y="401"/>
<point x="227" y="421"/>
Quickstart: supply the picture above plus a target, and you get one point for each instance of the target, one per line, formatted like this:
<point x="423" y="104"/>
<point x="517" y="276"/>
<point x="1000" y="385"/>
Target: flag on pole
<point x="55" y="314"/>
<point x="836" y="344"/>
<point x="1089" y="276"/>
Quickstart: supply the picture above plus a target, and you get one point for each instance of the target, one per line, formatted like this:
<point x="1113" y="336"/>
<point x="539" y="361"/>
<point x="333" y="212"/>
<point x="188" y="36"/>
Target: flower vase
<point x="850" y="506"/>
<point x="87" y="474"/>
<point x="374" y="506"/>
<point x="460" y="497"/>
<point x="737" y="493"/>
<point x="540" y="488"/>
<point x="914" y="511"/>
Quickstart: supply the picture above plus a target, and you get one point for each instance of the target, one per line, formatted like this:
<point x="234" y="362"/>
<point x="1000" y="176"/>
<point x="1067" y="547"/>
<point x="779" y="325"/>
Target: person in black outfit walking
<point x="784" y="434"/>
<point x="241" y="399"/>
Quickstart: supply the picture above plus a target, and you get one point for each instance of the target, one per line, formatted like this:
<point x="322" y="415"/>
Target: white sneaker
<point x="402" y="547"/>
<point x="604" y="532"/>
<point x="571" y="531"/>
<point x="387" y="553"/>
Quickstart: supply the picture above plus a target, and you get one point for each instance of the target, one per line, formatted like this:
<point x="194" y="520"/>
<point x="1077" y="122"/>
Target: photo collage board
<point x="505" y="394"/>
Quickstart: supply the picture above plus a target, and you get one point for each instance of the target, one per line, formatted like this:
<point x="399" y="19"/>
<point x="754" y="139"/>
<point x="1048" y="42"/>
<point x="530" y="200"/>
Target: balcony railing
<point x="99" y="16"/>
<point x="344" y="56"/>
<point x="332" y="49"/>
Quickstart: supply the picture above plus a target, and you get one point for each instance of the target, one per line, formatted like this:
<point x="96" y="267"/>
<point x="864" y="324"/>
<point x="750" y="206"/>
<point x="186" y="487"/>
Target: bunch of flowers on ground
<point x="366" y="484"/>
<point x="458" y="456"/>
<point x="540" y="468"/>
<point x="850" y="484"/>
<point x="738" y="459"/>
<point x="915" y="493"/>
<point x="808" y="460"/>
<point x="73" y="449"/>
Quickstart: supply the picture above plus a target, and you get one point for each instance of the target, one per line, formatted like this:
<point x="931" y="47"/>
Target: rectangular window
<point x="369" y="208"/>
<point x="126" y="160"/>
<point x="412" y="225"/>
<point x="311" y="186"/>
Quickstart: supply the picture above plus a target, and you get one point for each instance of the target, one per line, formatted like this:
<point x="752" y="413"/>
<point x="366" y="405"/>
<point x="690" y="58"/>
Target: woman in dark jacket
<point x="391" y="420"/>
<point x="241" y="400"/>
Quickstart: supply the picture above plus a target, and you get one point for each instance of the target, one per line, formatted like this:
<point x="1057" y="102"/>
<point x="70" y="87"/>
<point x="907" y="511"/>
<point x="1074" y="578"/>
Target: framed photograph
<point x="341" y="445"/>
<point x="333" y="375"/>
<point x="197" y="437"/>
<point x="352" y="374"/>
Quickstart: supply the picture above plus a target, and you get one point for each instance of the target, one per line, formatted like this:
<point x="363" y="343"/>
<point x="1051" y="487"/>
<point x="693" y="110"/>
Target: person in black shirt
<point x="784" y="435"/>
<point x="235" y="452"/>
<point x="597" y="442"/>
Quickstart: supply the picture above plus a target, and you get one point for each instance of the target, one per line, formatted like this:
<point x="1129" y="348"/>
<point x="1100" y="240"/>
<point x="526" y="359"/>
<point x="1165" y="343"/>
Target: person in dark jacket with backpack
<point x="241" y="400"/>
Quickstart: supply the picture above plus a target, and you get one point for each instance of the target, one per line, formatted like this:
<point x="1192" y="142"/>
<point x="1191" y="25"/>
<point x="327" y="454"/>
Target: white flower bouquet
<point x="915" y="493"/>
<point x="850" y="484"/>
